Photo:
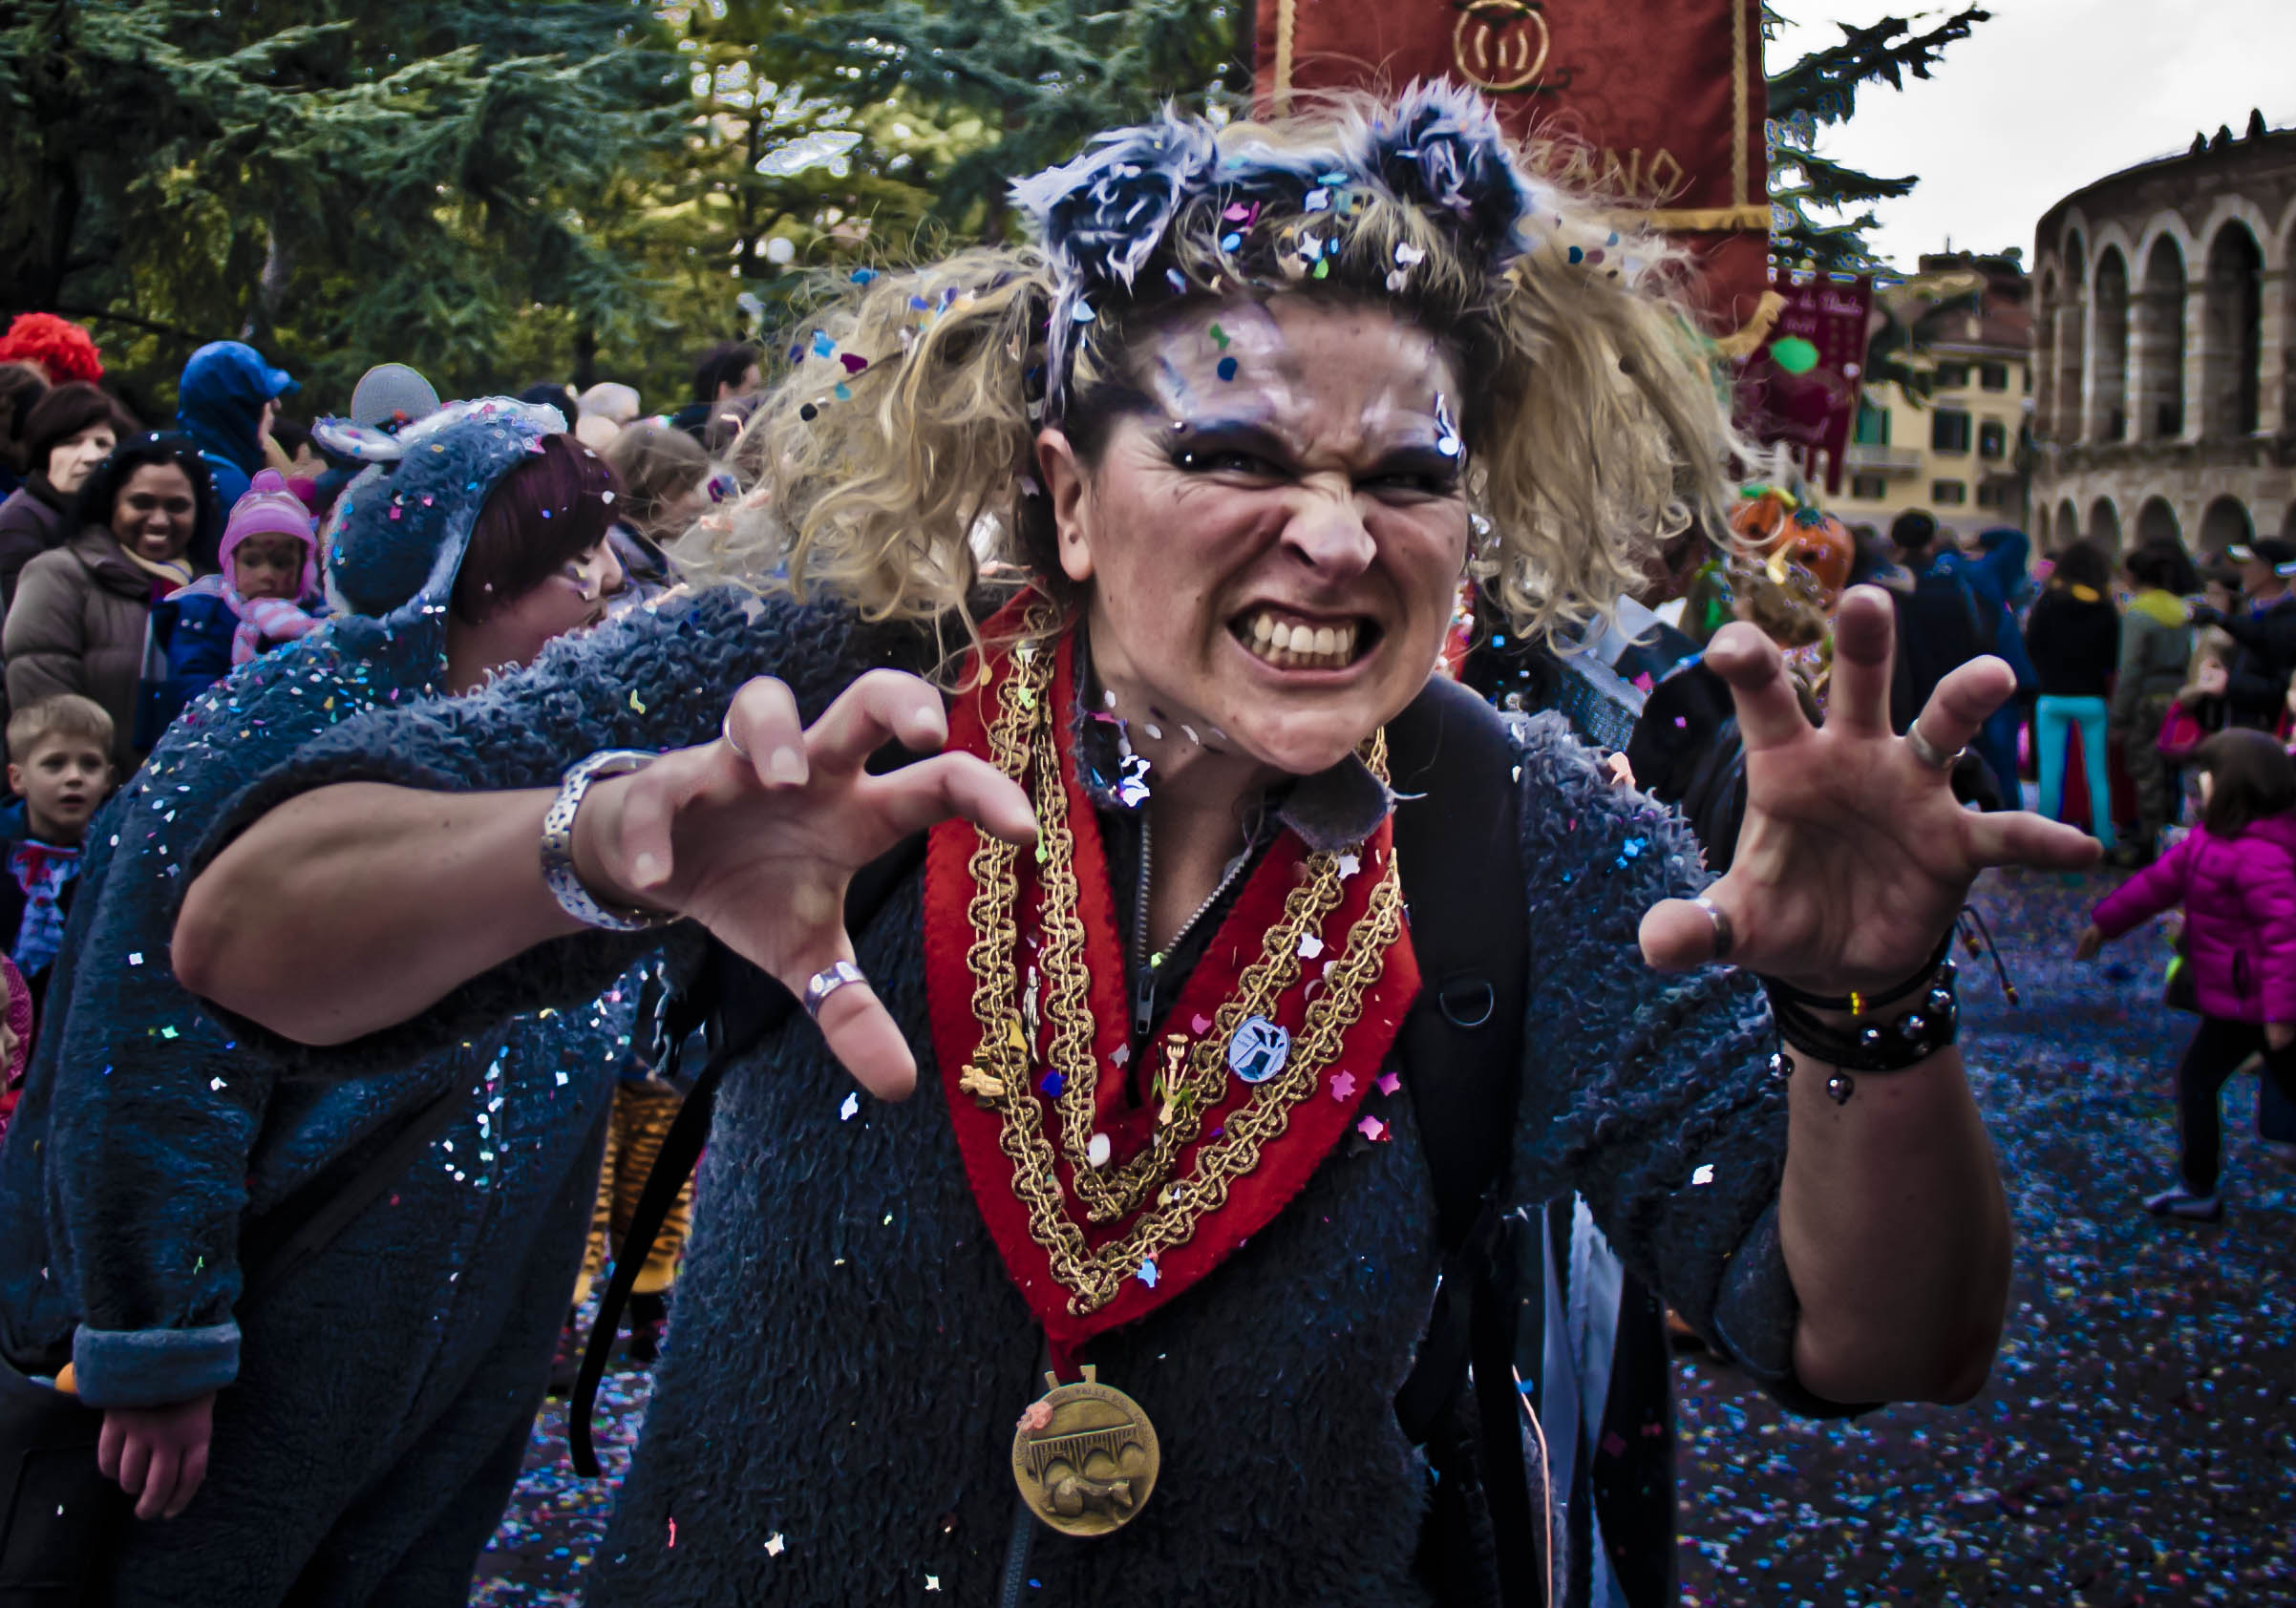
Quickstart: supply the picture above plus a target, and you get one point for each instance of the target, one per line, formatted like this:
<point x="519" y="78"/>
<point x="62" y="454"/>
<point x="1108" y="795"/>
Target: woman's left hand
<point x="1854" y="857"/>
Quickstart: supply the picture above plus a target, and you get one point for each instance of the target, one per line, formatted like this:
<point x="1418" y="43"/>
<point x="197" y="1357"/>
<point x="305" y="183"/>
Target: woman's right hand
<point x="2086" y="946"/>
<point x="757" y="834"/>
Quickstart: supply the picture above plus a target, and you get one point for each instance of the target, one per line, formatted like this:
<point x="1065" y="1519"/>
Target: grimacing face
<point x="1272" y="553"/>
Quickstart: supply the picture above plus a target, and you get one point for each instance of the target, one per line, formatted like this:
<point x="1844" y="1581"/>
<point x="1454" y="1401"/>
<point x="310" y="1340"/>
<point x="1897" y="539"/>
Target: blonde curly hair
<point x="895" y="458"/>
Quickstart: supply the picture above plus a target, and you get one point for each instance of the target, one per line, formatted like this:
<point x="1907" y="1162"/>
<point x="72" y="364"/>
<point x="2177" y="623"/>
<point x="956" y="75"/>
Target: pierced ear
<point x="1068" y="487"/>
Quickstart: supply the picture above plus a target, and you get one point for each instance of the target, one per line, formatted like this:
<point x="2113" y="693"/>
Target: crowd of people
<point x="2155" y="712"/>
<point x="1020" y="723"/>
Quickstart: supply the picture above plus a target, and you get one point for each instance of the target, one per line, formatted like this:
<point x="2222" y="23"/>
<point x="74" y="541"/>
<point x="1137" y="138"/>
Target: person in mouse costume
<point x="348" y="1431"/>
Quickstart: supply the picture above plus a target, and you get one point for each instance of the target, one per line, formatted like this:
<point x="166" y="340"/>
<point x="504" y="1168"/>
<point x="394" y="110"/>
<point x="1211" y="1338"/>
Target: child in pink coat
<point x="2234" y="874"/>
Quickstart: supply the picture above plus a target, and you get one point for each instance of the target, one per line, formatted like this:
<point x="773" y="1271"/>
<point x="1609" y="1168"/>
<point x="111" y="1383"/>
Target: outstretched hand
<point x="757" y="834"/>
<point x="1854" y="856"/>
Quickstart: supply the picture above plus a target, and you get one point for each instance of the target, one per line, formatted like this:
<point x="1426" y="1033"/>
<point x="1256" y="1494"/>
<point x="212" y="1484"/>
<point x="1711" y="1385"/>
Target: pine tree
<point x="337" y="182"/>
<point x="1037" y="78"/>
<point x="1820" y="91"/>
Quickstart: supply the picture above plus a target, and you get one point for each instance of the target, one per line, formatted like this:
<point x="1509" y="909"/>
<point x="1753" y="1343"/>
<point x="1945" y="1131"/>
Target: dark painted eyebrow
<point x="1236" y="435"/>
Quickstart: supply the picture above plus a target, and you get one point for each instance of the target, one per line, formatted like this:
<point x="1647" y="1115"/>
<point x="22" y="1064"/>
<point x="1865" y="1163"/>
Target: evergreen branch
<point x="1821" y="88"/>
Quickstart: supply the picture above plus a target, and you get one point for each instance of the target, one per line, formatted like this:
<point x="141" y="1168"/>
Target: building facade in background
<point x="1966" y="318"/>
<point x="2164" y="402"/>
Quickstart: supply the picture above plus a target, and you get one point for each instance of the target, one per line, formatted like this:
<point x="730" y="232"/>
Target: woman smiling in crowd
<point x="79" y="622"/>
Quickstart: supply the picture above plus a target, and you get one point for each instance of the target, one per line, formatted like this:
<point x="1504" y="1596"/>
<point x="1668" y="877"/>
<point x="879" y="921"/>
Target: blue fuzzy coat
<point x="833" y="1420"/>
<point x="375" y="1409"/>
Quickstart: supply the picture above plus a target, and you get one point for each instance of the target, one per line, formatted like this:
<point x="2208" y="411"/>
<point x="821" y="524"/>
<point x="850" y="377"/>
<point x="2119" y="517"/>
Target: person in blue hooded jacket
<point x="224" y="402"/>
<point x="2000" y="584"/>
<point x="358" y="1425"/>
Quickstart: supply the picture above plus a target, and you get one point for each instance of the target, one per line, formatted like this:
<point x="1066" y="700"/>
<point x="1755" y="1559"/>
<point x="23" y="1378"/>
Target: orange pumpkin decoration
<point x="1787" y="532"/>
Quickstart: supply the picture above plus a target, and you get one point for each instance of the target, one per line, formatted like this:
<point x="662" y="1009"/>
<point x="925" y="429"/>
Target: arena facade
<point x="2166" y="395"/>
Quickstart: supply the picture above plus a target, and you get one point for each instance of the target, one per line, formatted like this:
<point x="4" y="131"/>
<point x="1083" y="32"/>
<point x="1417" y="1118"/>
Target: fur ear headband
<point x="1107" y="217"/>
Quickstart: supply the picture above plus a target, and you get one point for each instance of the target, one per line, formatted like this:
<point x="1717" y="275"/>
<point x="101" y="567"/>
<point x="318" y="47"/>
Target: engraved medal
<point x="1085" y="1456"/>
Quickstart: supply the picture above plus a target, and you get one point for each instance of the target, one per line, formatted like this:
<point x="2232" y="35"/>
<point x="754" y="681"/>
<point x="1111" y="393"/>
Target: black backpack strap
<point x="1458" y="840"/>
<point x="741" y="1006"/>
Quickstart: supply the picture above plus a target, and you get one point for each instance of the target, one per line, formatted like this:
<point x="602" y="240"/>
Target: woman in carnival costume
<point x="349" y="1432"/>
<point x="1259" y="399"/>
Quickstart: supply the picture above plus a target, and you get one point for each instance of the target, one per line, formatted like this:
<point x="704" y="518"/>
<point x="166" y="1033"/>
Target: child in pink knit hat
<point x="268" y="593"/>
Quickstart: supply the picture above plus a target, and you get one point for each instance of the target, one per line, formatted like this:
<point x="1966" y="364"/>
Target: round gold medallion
<point x="1085" y="1456"/>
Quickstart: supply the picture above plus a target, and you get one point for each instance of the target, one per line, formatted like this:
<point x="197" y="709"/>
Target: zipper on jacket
<point x="1143" y="964"/>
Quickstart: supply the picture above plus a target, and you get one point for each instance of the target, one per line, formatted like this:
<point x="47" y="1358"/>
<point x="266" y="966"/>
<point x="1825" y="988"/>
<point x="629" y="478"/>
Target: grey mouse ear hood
<point x="395" y="539"/>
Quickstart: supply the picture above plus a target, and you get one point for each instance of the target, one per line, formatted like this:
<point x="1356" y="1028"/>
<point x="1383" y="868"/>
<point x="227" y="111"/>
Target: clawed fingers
<point x="1962" y="701"/>
<point x="1681" y="933"/>
<point x="2021" y="837"/>
<point x="1864" y="643"/>
<point x="761" y="725"/>
<point x="929" y="792"/>
<point x="1769" y="714"/>
<point x="862" y="1034"/>
<point x="881" y="707"/>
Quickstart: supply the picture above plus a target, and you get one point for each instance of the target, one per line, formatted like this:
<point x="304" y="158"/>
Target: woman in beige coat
<point x="80" y="622"/>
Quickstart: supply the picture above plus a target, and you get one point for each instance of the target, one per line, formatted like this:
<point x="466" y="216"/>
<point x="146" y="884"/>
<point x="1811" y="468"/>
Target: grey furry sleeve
<point x="657" y="678"/>
<point x="1649" y="1093"/>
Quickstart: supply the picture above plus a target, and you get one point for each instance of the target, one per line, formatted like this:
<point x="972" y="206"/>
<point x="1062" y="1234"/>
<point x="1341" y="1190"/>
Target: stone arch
<point x="2232" y="339"/>
<point x="2069" y="525"/>
<point x="2048" y="290"/>
<point x="2227" y="523"/>
<point x="2157" y="521"/>
<point x="2156" y="349"/>
<point x="2109" y="348"/>
<point x="2104" y="526"/>
<point x="2067" y="336"/>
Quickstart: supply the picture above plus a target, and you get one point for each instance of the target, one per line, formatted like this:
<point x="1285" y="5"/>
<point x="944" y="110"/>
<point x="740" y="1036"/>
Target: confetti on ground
<point x="2138" y="1441"/>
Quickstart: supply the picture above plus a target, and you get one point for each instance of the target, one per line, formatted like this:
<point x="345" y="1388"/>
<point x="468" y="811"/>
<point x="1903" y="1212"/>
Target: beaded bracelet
<point x="1923" y="1028"/>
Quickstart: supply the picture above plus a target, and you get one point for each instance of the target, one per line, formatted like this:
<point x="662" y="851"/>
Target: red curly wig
<point x="61" y="348"/>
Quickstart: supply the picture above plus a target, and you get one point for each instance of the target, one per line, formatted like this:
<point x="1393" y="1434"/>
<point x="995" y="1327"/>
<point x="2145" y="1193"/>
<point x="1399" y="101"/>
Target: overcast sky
<point x="2046" y="97"/>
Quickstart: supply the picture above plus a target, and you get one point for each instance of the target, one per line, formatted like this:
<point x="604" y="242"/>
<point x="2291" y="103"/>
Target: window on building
<point x="1869" y="488"/>
<point x="1991" y="494"/>
<point x="1992" y="439"/>
<point x="1993" y="376"/>
<point x="1944" y="492"/>
<point x="1873" y="426"/>
<point x="2025" y="374"/>
<point x="1952" y="377"/>
<point x="1948" y="431"/>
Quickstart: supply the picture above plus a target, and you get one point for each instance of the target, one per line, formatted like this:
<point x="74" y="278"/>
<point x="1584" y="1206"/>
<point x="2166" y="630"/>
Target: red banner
<point x="1801" y="387"/>
<point x="1659" y="102"/>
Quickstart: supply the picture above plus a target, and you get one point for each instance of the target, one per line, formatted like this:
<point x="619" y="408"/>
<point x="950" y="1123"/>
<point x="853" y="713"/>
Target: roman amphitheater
<point x="2165" y="403"/>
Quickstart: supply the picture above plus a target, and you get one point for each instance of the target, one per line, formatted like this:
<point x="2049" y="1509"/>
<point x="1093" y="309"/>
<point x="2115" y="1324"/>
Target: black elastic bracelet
<point x="1857" y="1003"/>
<point x="1869" y="1045"/>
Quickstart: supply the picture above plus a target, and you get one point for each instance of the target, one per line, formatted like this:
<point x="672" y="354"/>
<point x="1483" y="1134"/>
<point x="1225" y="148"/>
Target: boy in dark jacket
<point x="59" y="759"/>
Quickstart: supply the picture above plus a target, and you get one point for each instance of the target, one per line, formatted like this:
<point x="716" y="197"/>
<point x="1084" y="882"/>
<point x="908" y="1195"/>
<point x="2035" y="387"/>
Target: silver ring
<point x="827" y="982"/>
<point x="1929" y="753"/>
<point x="725" y="733"/>
<point x="1724" y="936"/>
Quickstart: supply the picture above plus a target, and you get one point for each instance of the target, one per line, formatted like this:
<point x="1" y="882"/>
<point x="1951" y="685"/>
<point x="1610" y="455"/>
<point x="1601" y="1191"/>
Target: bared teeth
<point x="1287" y="645"/>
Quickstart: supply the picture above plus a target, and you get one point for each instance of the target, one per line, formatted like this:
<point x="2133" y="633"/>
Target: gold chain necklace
<point x="1022" y="743"/>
